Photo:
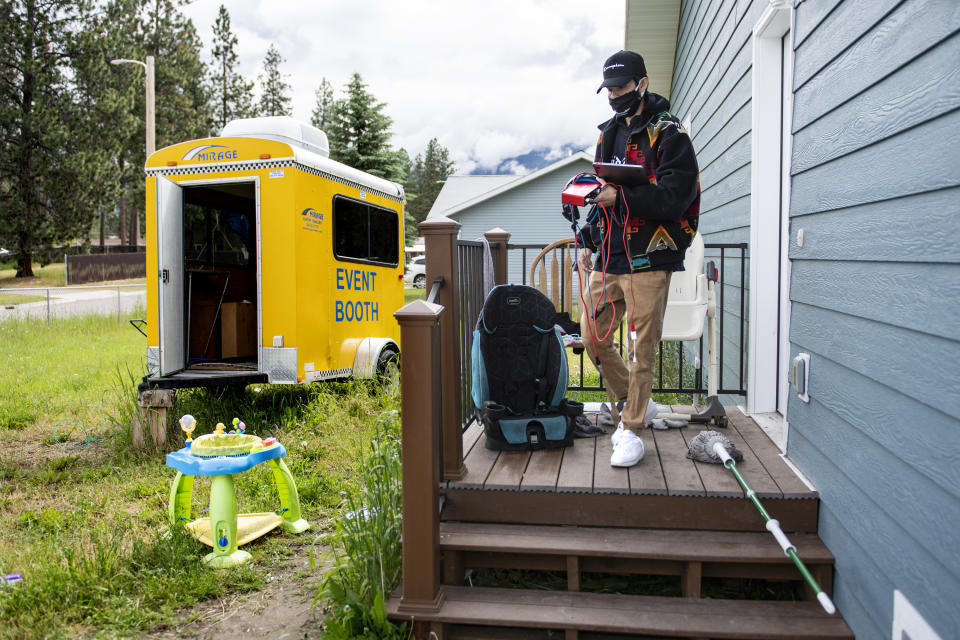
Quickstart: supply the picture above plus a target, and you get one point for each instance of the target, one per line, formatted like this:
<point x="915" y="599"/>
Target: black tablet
<point x="628" y="175"/>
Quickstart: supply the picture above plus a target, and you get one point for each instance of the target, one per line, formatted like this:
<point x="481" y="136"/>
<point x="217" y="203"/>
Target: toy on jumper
<point x="188" y="423"/>
<point x="221" y="455"/>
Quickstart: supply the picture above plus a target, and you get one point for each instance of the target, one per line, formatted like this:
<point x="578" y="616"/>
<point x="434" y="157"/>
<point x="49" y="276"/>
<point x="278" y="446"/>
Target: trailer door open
<point x="170" y="275"/>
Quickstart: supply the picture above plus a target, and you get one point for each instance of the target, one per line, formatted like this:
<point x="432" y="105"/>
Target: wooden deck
<point x="577" y="485"/>
<point x="568" y="510"/>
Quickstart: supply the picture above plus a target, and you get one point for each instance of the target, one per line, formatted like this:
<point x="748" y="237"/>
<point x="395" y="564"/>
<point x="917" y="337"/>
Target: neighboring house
<point x="828" y="137"/>
<point x="527" y="206"/>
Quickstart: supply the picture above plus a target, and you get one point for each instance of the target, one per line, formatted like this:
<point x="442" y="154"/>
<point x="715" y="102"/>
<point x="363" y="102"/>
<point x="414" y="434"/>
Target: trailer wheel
<point x="388" y="366"/>
<point x="419" y="281"/>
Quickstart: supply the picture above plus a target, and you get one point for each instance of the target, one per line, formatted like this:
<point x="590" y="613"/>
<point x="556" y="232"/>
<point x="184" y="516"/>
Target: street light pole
<point x="151" y="126"/>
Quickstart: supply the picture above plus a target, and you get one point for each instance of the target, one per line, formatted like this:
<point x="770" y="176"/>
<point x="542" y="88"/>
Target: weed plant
<point x="365" y="547"/>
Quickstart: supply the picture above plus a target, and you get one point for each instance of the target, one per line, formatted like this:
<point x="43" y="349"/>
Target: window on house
<point x="365" y="233"/>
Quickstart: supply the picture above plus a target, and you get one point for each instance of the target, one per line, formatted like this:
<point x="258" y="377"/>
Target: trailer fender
<point x="368" y="356"/>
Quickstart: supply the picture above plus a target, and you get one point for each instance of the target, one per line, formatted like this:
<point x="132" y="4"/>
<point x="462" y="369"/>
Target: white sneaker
<point x="627" y="450"/>
<point x="615" y="436"/>
<point x="652" y="410"/>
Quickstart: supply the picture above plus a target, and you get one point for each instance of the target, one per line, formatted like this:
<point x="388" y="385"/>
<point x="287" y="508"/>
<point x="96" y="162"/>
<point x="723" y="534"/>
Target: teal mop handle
<point x="773" y="526"/>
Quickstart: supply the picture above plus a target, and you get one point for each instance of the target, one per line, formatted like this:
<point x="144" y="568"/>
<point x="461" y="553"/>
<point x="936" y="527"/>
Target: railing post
<point x="420" y="375"/>
<point x="442" y="259"/>
<point x="499" y="238"/>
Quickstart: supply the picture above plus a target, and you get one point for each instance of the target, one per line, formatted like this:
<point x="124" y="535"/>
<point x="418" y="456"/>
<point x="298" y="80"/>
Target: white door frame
<point x="255" y="180"/>
<point x="769" y="312"/>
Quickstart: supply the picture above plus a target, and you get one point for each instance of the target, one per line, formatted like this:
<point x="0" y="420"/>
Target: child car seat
<point x="520" y="372"/>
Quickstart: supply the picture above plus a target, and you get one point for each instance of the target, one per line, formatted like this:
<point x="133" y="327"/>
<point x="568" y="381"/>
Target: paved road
<point x="75" y="301"/>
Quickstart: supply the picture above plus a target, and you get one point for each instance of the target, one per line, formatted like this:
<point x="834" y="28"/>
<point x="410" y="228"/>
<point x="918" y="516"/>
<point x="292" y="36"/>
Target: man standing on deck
<point x="641" y="236"/>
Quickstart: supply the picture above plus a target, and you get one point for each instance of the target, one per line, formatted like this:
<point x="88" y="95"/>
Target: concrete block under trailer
<point x="273" y="262"/>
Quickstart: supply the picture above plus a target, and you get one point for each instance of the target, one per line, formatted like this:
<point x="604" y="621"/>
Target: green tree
<point x="48" y="161"/>
<point x="430" y="170"/>
<point x="108" y="96"/>
<point x="274" y="98"/>
<point x="231" y="95"/>
<point x="321" y="111"/>
<point x="359" y="133"/>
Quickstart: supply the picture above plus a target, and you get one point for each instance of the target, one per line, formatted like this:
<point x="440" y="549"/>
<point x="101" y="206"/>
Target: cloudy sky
<point x="490" y="80"/>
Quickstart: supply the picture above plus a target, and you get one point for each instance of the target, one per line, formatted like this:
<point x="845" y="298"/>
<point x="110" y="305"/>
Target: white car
<point x="416" y="273"/>
<point x="4" y="253"/>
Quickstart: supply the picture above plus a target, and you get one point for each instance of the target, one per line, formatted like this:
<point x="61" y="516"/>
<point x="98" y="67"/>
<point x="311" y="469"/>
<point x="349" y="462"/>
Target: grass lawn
<point x="51" y="275"/>
<point x="410" y="294"/>
<point x="7" y="299"/>
<point x="83" y="518"/>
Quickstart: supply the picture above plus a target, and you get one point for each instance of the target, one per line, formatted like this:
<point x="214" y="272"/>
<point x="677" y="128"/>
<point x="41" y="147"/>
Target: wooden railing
<point x="432" y="406"/>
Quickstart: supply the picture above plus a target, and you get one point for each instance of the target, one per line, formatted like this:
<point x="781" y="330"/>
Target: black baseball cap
<point x="621" y="68"/>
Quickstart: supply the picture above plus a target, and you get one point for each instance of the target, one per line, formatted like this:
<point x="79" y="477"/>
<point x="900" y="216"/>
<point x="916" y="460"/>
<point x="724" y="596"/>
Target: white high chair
<point x="691" y="302"/>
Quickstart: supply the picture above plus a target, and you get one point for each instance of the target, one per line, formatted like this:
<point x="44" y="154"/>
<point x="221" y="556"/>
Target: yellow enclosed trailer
<point x="267" y="261"/>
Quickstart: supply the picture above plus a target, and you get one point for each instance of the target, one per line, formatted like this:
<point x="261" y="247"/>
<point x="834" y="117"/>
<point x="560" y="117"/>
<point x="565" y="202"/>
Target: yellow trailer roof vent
<point x="282" y="129"/>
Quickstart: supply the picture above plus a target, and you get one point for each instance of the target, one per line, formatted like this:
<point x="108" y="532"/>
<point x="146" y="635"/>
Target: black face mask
<point x="627" y="104"/>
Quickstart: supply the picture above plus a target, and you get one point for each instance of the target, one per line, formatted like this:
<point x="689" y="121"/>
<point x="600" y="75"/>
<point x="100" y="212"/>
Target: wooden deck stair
<point x="468" y="613"/>
<point x="529" y="613"/>
<point x="691" y="555"/>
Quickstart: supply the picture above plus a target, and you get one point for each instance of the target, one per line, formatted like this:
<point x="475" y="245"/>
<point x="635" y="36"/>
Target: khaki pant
<point x="643" y="297"/>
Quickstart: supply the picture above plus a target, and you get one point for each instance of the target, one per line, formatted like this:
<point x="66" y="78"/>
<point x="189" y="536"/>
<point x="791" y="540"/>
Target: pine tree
<point x="359" y="134"/>
<point x="48" y="170"/>
<point x="274" y="98"/>
<point x="231" y="95"/>
<point x="321" y="112"/>
<point x="430" y="171"/>
<point x="108" y="96"/>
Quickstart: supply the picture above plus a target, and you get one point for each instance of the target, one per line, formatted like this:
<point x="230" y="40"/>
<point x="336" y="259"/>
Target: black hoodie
<point x="663" y="215"/>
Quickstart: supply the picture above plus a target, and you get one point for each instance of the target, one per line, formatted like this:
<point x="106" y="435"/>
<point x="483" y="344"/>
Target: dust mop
<point x="719" y="446"/>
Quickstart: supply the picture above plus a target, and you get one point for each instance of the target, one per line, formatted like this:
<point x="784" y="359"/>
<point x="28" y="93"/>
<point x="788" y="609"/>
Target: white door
<point x="772" y="105"/>
<point x="173" y="352"/>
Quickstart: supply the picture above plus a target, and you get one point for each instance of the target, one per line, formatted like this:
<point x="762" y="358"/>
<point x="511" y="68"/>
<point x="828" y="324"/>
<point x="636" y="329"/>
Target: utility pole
<point x="151" y="127"/>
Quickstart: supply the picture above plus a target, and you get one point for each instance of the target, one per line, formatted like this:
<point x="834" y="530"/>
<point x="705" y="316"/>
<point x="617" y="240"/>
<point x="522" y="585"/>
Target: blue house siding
<point x="874" y="289"/>
<point x="712" y="88"/>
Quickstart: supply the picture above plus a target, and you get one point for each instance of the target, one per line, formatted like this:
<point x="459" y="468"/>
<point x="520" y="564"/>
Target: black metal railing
<point x="472" y="294"/>
<point x="675" y="373"/>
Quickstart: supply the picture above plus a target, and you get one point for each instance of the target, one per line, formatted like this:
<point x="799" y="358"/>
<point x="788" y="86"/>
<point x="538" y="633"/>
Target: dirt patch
<point x="281" y="610"/>
<point x="32" y="448"/>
